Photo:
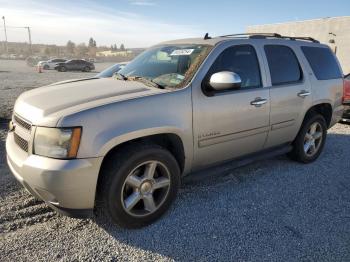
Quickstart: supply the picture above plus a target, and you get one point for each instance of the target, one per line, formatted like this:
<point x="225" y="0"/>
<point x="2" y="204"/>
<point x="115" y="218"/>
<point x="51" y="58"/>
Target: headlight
<point x="57" y="142"/>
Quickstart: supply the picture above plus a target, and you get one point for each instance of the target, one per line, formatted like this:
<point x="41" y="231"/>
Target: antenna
<point x="206" y="36"/>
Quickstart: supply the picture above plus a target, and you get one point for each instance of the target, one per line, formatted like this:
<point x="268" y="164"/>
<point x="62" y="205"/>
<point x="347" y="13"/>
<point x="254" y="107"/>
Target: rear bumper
<point x="68" y="186"/>
<point x="337" y="115"/>
<point x="346" y="114"/>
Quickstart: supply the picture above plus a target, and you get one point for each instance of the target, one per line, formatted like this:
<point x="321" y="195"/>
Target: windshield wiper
<point x="120" y="76"/>
<point x="145" y="81"/>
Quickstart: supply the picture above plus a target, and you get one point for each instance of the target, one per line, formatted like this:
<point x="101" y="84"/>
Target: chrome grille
<point x="22" y="143"/>
<point x="22" y="123"/>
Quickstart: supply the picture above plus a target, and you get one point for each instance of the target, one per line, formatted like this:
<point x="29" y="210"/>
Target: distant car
<point x="51" y="64"/>
<point x="110" y="71"/>
<point x="75" y="65"/>
<point x="346" y="102"/>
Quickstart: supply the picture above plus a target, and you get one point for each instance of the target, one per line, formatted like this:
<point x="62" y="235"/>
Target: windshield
<point x="168" y="66"/>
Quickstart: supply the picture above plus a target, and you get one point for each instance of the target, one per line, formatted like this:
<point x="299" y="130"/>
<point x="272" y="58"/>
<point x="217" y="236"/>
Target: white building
<point x="326" y="30"/>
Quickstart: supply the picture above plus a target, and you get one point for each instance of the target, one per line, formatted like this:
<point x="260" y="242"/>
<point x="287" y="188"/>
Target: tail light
<point x="346" y="94"/>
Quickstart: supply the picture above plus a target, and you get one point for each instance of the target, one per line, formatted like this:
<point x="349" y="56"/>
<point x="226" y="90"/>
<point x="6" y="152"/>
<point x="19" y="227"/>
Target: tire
<point x="62" y="69"/>
<point x="304" y="150"/>
<point x="46" y="67"/>
<point x="116" y="192"/>
<point x="86" y="69"/>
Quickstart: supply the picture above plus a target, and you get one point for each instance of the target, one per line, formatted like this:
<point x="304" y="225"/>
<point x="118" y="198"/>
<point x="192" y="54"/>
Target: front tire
<point x="310" y="140"/>
<point x="62" y="69"/>
<point x="138" y="185"/>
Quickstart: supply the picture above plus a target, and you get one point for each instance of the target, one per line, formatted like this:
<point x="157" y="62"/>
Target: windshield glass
<point x="168" y="66"/>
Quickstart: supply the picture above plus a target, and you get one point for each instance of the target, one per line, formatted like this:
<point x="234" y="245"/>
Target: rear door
<point x="290" y="92"/>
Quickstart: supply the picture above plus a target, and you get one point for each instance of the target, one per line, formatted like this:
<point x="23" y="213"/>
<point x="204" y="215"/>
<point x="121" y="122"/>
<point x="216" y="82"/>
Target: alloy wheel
<point x="145" y="189"/>
<point x="313" y="139"/>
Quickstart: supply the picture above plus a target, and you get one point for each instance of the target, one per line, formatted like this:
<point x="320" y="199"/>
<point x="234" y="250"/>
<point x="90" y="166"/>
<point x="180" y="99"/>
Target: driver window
<point x="242" y="60"/>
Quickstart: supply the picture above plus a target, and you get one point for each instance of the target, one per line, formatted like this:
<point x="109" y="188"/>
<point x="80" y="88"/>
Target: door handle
<point x="258" y="102"/>
<point x="304" y="93"/>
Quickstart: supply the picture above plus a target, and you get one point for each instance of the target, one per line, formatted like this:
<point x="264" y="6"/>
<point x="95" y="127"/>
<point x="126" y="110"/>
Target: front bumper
<point x="68" y="186"/>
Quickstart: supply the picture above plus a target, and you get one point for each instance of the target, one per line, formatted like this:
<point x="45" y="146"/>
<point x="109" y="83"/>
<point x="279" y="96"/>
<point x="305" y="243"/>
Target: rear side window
<point x="322" y="62"/>
<point x="283" y="64"/>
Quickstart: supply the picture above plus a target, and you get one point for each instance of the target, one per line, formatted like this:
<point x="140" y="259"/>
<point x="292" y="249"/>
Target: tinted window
<point x="243" y="61"/>
<point x="283" y="64"/>
<point x="322" y="62"/>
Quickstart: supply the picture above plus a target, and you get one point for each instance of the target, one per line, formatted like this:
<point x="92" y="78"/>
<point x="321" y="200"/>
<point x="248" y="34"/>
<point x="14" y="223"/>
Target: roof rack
<point x="265" y="36"/>
<point x="254" y="35"/>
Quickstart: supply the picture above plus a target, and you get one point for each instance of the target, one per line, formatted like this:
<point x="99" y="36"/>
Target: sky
<point x="142" y="23"/>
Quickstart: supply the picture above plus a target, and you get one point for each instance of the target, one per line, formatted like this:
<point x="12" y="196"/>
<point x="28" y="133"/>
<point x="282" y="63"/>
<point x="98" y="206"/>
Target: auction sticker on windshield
<point x="182" y="52"/>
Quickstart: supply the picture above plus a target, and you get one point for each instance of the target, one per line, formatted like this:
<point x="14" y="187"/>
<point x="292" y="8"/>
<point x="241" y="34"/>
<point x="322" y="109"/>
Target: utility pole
<point x="6" y="47"/>
<point x="30" y="40"/>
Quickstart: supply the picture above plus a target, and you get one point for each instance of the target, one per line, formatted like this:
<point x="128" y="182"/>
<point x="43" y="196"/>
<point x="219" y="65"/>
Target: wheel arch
<point x="325" y="109"/>
<point x="169" y="141"/>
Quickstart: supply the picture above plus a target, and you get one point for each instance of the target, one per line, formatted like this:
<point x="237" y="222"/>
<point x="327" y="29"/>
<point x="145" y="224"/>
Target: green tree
<point x="122" y="48"/>
<point x="70" y="47"/>
<point x="91" y="42"/>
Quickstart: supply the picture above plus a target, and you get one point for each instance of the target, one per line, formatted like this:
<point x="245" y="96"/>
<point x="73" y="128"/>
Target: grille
<point x="23" y="123"/>
<point x="22" y="143"/>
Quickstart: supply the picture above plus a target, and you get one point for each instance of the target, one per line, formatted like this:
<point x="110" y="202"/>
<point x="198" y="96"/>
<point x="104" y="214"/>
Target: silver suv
<point x="122" y="144"/>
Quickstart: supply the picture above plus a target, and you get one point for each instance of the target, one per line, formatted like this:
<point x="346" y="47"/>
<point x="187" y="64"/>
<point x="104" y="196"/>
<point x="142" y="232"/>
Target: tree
<point x="92" y="42"/>
<point x="81" y="50"/>
<point x="115" y="47"/>
<point x="122" y="48"/>
<point x="70" y="47"/>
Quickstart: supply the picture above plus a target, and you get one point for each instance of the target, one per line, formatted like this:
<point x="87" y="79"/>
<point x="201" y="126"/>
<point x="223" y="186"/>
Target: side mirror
<point x="225" y="80"/>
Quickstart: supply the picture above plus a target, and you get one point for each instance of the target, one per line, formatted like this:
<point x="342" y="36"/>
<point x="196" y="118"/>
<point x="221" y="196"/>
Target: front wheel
<point x="139" y="184"/>
<point x="310" y="140"/>
<point x="62" y="69"/>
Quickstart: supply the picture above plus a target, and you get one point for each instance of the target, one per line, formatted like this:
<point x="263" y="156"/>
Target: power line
<point x="22" y="27"/>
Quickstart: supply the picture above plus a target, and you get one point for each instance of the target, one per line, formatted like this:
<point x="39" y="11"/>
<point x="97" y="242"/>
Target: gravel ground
<point x="273" y="210"/>
<point x="16" y="77"/>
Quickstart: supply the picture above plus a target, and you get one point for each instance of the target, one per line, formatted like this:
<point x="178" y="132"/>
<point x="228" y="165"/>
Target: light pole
<point x="30" y="40"/>
<point x="6" y="47"/>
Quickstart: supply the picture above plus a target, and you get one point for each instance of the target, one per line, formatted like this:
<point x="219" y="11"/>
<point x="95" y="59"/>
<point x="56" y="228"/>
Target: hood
<point x="45" y="105"/>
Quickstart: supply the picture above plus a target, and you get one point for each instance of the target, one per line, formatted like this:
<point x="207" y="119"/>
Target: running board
<point x="224" y="167"/>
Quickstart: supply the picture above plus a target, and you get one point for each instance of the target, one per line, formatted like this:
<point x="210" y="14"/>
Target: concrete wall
<point x="318" y="29"/>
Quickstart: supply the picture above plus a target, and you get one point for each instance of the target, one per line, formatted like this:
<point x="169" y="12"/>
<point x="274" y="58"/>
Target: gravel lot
<point x="273" y="210"/>
<point x="16" y="77"/>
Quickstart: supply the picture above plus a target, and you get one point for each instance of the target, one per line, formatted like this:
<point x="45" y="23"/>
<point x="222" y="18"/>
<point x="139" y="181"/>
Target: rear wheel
<point x="310" y="140"/>
<point x="46" y="67"/>
<point x="138" y="185"/>
<point x="86" y="69"/>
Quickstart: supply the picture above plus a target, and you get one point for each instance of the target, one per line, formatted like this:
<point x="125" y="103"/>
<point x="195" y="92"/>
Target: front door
<point x="231" y="123"/>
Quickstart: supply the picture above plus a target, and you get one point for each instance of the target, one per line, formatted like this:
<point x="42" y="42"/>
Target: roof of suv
<point x="262" y="37"/>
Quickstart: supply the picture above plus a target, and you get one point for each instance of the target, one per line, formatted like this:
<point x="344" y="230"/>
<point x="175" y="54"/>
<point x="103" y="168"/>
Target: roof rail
<point x="267" y="35"/>
<point x="306" y="38"/>
<point x="254" y="35"/>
